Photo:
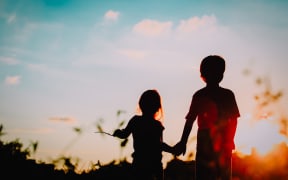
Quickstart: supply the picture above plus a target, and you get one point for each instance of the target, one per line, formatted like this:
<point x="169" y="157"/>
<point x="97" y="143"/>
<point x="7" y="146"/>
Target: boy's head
<point x="212" y="69"/>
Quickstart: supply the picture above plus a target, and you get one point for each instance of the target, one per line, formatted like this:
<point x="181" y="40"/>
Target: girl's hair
<point x="150" y="104"/>
<point x="212" y="68"/>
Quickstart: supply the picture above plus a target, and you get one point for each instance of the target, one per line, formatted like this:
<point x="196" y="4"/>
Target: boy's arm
<point x="186" y="131"/>
<point x="233" y="121"/>
<point x="231" y="133"/>
<point x="167" y="148"/>
<point x="190" y="118"/>
<point x="180" y="147"/>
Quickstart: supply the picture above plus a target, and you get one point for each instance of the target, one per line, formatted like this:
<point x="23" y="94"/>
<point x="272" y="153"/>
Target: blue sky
<point x="66" y="64"/>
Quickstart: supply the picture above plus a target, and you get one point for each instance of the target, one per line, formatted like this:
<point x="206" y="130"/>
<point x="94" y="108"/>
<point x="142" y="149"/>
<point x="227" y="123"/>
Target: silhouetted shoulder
<point x="221" y="98"/>
<point x="219" y="91"/>
<point x="143" y="122"/>
<point x="227" y="102"/>
<point x="133" y="120"/>
<point x="199" y="92"/>
<point x="226" y="91"/>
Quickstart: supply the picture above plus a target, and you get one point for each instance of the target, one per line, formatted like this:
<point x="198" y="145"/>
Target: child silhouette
<point x="217" y="112"/>
<point x="147" y="131"/>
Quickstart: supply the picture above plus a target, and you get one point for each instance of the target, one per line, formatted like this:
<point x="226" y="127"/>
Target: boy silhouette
<point x="216" y="111"/>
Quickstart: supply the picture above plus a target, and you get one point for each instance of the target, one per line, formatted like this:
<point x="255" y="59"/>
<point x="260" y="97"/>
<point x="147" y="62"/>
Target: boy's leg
<point x="225" y="163"/>
<point x="205" y="169"/>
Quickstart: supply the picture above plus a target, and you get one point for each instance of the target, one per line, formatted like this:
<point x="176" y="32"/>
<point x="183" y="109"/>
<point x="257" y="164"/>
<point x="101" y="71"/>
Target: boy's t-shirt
<point x="215" y="108"/>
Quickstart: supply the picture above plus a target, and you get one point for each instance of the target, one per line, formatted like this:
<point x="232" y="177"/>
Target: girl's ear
<point x="203" y="78"/>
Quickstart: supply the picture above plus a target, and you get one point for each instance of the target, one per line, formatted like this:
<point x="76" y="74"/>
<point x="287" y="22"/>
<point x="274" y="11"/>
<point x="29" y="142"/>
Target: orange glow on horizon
<point x="259" y="136"/>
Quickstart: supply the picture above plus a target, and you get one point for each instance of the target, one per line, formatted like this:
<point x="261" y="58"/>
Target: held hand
<point x="179" y="148"/>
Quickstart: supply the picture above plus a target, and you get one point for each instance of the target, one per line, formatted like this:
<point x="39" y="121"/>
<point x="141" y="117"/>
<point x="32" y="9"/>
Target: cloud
<point x="12" y="80"/>
<point x="196" y="23"/>
<point x="67" y="119"/>
<point x="150" y="27"/>
<point x="38" y="67"/>
<point x="111" y="15"/>
<point x="45" y="69"/>
<point x="192" y="25"/>
<point x="11" y="18"/>
<point x="133" y="54"/>
<point x="31" y="131"/>
<point x="8" y="60"/>
<point x="31" y="28"/>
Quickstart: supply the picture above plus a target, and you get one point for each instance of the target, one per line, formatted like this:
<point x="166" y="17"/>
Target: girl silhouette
<point x="147" y="132"/>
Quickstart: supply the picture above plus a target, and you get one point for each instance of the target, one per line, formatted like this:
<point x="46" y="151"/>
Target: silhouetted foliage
<point x="123" y="142"/>
<point x="15" y="162"/>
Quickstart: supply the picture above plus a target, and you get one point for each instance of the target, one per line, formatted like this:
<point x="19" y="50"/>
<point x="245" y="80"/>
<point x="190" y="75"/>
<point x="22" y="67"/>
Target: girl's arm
<point x="124" y="133"/>
<point x="121" y="133"/>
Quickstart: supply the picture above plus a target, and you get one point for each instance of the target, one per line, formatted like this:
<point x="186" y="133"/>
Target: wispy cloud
<point x="133" y="54"/>
<point x="111" y="15"/>
<point x="57" y="73"/>
<point x="31" y="130"/>
<point x="8" y="17"/>
<point x="11" y="18"/>
<point x="150" y="27"/>
<point x="65" y="119"/>
<point x="48" y="70"/>
<point x="9" y="60"/>
<point x="153" y="28"/>
<point x="197" y="23"/>
<point x="12" y="80"/>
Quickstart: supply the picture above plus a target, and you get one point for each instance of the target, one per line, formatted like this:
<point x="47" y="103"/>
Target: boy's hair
<point x="212" y="68"/>
<point x="150" y="102"/>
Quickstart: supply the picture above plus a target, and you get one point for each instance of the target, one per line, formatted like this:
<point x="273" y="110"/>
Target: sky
<point x="68" y="64"/>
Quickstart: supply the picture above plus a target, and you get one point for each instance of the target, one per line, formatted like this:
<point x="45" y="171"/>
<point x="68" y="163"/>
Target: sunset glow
<point x="68" y="66"/>
<point x="260" y="136"/>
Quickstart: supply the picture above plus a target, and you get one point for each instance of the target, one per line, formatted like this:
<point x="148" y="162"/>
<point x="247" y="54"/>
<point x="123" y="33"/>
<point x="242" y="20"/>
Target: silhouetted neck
<point x="212" y="85"/>
<point x="148" y="116"/>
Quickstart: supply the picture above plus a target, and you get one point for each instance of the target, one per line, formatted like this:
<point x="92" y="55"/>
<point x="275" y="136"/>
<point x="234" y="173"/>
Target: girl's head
<point x="150" y="103"/>
<point x="212" y="69"/>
